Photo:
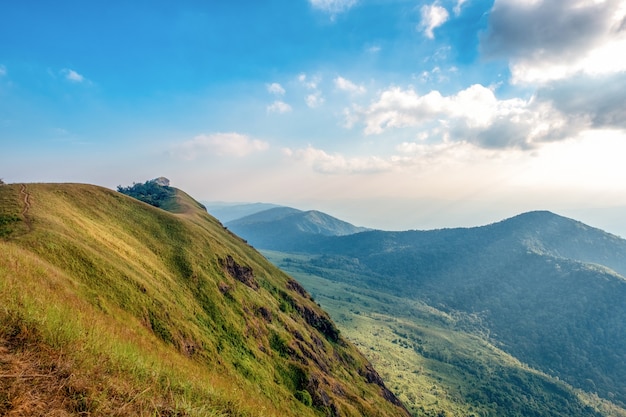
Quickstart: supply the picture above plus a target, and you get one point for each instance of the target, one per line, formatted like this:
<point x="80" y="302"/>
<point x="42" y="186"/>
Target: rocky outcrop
<point x="243" y="274"/>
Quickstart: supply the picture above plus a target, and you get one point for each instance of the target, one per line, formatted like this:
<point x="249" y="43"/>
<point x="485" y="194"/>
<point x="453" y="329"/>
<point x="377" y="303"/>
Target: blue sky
<point x="387" y="113"/>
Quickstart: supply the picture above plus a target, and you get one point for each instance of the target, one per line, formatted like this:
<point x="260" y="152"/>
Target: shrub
<point x="151" y="192"/>
<point x="304" y="397"/>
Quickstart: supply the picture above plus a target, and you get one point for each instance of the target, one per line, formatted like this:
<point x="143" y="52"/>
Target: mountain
<point x="545" y="289"/>
<point x="285" y="226"/>
<point x="110" y="306"/>
<point x="226" y="212"/>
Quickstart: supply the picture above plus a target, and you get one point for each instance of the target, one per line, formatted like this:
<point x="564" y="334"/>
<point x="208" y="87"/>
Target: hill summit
<point x="286" y="226"/>
<point x="110" y="306"/>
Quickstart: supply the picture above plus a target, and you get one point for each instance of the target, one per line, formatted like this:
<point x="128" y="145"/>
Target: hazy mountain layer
<point x="226" y="212"/>
<point x="282" y="227"/>
<point x="109" y="306"/>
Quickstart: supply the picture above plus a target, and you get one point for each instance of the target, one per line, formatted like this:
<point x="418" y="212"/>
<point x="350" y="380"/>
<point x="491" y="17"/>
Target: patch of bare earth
<point x="26" y="200"/>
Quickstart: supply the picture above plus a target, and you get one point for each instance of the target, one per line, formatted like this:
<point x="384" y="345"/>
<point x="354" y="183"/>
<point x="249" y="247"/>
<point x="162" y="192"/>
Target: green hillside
<point x="109" y="306"/>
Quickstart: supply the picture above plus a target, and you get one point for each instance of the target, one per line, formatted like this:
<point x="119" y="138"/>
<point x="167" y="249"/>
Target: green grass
<point x="125" y="309"/>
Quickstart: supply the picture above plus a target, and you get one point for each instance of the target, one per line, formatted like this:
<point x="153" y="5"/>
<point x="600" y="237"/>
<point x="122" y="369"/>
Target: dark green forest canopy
<point x="151" y="192"/>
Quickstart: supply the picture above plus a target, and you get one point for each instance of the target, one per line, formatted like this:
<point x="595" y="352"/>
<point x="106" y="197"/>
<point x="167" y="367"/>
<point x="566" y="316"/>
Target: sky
<point x="392" y="114"/>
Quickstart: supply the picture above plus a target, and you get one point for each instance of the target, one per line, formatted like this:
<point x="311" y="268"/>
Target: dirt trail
<point x="26" y="199"/>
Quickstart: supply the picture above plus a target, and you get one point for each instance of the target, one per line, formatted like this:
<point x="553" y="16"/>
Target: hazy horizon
<point x="389" y="114"/>
<point x="428" y="215"/>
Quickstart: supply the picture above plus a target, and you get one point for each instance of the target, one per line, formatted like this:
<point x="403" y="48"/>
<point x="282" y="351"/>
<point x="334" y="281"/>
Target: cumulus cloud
<point x="326" y="163"/>
<point x="332" y="6"/>
<point x="599" y="101"/>
<point x="474" y="115"/>
<point x="279" y="106"/>
<point x="314" y="100"/>
<point x="219" y="144"/>
<point x="71" y="75"/>
<point x="276" y="88"/>
<point x="547" y="40"/>
<point x="433" y="16"/>
<point x="344" y="84"/>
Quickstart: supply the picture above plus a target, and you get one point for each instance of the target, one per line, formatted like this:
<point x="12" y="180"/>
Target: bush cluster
<point x="149" y="192"/>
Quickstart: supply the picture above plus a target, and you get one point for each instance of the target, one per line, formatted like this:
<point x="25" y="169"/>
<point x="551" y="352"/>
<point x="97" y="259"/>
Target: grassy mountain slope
<point x="285" y="226"/>
<point x="112" y="307"/>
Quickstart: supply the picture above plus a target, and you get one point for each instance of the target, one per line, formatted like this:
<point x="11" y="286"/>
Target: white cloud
<point x="411" y="155"/>
<point x="275" y="88"/>
<point x="279" y="107"/>
<point x="602" y="60"/>
<point x="457" y="8"/>
<point x="314" y="100"/>
<point x="309" y="82"/>
<point x="326" y="163"/>
<point x="220" y="144"/>
<point x="547" y="40"/>
<point x="444" y="155"/>
<point x="72" y="75"/>
<point x="436" y="75"/>
<point x="347" y="85"/>
<point x="433" y="16"/>
<point x="351" y="116"/>
<point x="474" y="115"/>
<point x="332" y="6"/>
<point x="3" y="70"/>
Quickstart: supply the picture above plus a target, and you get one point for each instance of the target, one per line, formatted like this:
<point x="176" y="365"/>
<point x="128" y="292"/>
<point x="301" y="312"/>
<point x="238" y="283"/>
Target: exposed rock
<point x="243" y="274"/>
<point x="162" y="181"/>
<point x="295" y="286"/>
<point x="372" y="377"/>
<point x="266" y="314"/>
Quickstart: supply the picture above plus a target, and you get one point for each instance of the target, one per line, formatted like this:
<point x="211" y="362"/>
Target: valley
<point x="530" y="306"/>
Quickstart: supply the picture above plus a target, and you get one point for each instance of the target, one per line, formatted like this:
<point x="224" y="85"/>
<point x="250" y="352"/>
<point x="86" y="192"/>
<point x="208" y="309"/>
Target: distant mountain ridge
<point x="226" y="212"/>
<point x="286" y="226"/>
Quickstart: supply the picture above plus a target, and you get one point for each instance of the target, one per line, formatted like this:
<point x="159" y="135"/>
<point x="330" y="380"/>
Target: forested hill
<point x="110" y="306"/>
